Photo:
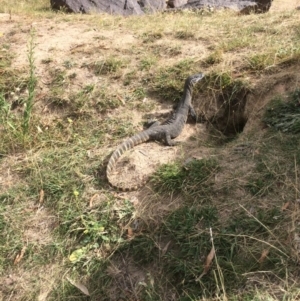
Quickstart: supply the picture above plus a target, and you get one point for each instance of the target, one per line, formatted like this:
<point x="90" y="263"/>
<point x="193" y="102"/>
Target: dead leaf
<point x="121" y="99"/>
<point x="208" y="263"/>
<point x="197" y="157"/>
<point x="263" y="256"/>
<point x="285" y="206"/>
<point x="42" y="194"/>
<point x="130" y="233"/>
<point x="209" y="260"/>
<point x="80" y="286"/>
<point x="20" y="256"/>
<point x="165" y="249"/>
<point x="92" y="200"/>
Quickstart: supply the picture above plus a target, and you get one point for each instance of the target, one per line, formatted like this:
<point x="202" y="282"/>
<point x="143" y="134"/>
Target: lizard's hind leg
<point x="152" y="123"/>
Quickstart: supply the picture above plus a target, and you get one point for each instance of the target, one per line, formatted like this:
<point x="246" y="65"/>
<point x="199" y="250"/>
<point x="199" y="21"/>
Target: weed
<point x="146" y="63"/>
<point x="68" y="64"/>
<point x="139" y="93"/>
<point x="150" y="37"/>
<point x="5" y="56"/>
<point x="184" y="35"/>
<point x="99" y="231"/>
<point x="108" y="66"/>
<point x="29" y="102"/>
<point x="129" y="77"/>
<point x="80" y="98"/>
<point x="58" y="77"/>
<point x="47" y="61"/>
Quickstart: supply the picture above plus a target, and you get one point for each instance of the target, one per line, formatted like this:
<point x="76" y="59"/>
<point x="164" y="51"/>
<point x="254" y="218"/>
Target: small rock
<point x="176" y="3"/>
<point x="243" y="6"/>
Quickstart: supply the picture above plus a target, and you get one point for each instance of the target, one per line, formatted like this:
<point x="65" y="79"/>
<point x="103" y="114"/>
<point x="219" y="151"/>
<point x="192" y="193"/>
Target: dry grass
<point x="98" y="79"/>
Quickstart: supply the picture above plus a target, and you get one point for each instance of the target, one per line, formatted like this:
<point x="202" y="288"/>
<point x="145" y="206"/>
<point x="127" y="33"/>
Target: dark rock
<point x="116" y="7"/>
<point x="176" y="3"/>
<point x="139" y="7"/>
<point x="243" y="6"/>
<point x="152" y="5"/>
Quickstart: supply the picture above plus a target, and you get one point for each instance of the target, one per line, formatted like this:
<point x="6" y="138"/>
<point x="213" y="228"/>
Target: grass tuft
<point x="284" y="115"/>
<point x="192" y="179"/>
<point x="108" y="66"/>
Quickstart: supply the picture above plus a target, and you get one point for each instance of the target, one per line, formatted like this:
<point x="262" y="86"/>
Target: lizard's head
<point x="193" y="79"/>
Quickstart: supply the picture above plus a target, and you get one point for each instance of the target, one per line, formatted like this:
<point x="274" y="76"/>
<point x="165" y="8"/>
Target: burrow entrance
<point x="222" y="102"/>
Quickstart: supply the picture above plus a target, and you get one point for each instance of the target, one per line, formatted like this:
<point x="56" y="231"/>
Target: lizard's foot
<point x="151" y="123"/>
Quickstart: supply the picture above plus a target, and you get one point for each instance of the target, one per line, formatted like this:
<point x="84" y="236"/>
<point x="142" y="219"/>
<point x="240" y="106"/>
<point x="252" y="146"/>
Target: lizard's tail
<point x="121" y="149"/>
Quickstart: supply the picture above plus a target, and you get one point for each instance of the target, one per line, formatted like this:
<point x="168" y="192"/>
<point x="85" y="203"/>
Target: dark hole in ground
<point x="230" y="118"/>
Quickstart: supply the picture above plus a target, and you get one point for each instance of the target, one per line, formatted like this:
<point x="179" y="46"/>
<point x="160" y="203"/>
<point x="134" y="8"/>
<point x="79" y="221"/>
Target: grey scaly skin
<point x="164" y="132"/>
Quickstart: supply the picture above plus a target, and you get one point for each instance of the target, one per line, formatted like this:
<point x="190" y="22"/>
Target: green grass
<point x="168" y="82"/>
<point x="192" y="179"/>
<point x="186" y="234"/>
<point x="284" y="115"/>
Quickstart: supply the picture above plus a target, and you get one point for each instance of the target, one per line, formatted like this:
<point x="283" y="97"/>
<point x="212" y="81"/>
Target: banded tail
<point x="121" y="149"/>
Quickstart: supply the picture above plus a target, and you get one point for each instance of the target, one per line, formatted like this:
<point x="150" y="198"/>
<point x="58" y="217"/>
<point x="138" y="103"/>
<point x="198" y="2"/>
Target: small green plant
<point x="139" y="93"/>
<point x="5" y="56"/>
<point x="58" y="77"/>
<point x="47" y="61"/>
<point x="108" y="66"/>
<point x="146" y="63"/>
<point x="81" y="98"/>
<point x="184" y="35"/>
<point x="29" y="102"/>
<point x="129" y="77"/>
<point x="150" y="37"/>
<point x="15" y="127"/>
<point x="68" y="64"/>
<point x="100" y="230"/>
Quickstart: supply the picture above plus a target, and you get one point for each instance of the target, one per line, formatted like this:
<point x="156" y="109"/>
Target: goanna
<point x="167" y="131"/>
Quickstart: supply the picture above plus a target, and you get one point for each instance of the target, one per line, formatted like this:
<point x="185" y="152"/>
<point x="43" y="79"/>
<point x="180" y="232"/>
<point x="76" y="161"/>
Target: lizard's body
<point x="161" y="132"/>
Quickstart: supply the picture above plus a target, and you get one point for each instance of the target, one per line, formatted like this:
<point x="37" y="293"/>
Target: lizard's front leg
<point x="192" y="112"/>
<point x="169" y="141"/>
